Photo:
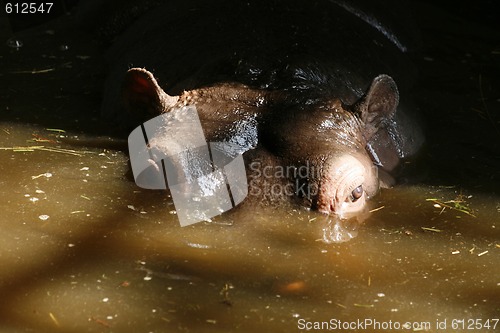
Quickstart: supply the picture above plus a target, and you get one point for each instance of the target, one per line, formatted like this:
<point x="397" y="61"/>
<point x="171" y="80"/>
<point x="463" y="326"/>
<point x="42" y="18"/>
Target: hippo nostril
<point x="332" y="206"/>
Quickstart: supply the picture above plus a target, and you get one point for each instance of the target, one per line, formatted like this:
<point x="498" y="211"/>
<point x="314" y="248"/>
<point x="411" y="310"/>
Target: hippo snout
<point x="346" y="184"/>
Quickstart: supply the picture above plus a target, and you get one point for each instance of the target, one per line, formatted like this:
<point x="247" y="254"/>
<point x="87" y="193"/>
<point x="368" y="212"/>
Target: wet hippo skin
<point x="322" y="84"/>
<point x="328" y="137"/>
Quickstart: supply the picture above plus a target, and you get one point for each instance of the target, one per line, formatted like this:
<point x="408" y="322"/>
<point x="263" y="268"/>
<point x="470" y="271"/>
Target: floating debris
<point x="376" y="209"/>
<point x="43" y="217"/>
<point x="55" y="130"/>
<point x="37" y="138"/>
<point x="15" y="43"/>
<point x="125" y="284"/>
<point x="46" y="175"/>
<point x="225" y="293"/>
<point x="368" y="306"/>
<point x="408" y="233"/>
<point x="54" y="319"/>
<point x="199" y="246"/>
<point x="458" y="204"/>
<point x="431" y="229"/>
<point x="35" y="71"/>
<point x="18" y="149"/>
<point x="100" y="322"/>
<point x="294" y="287"/>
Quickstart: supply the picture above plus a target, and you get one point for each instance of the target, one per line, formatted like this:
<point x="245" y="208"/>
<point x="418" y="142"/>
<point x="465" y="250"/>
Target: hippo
<point x="316" y="95"/>
<point x="333" y="143"/>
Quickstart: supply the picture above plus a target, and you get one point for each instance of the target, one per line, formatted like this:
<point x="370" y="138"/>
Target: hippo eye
<point x="357" y="193"/>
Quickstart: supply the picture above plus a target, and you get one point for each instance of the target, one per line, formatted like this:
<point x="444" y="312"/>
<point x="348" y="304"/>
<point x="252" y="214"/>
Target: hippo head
<point x="339" y="143"/>
<point x="351" y="175"/>
<point x="347" y="182"/>
<point x="335" y="141"/>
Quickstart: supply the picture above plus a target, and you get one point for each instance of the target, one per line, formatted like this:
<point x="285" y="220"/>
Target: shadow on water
<point x="109" y="256"/>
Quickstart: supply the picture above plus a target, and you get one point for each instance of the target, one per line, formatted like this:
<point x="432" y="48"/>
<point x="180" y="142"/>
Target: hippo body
<point x="291" y="83"/>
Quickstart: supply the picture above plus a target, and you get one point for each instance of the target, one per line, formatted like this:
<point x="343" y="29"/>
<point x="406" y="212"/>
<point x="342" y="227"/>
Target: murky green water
<point x="83" y="249"/>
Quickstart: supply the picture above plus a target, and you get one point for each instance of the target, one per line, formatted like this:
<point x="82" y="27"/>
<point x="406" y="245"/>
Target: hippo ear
<point x="378" y="105"/>
<point x="142" y="95"/>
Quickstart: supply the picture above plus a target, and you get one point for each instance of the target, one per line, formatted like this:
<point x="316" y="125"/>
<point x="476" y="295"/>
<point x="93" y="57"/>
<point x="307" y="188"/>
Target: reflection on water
<point x="339" y="231"/>
<point x="84" y="249"/>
